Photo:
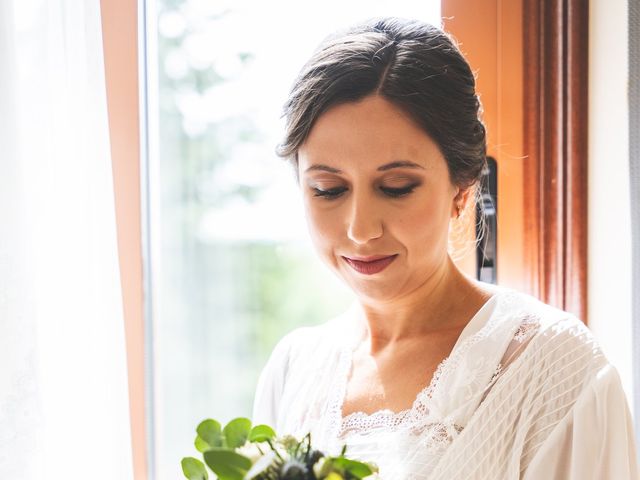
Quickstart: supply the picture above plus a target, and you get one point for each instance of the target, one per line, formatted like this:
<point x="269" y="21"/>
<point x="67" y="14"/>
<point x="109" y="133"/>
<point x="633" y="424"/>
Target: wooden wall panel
<point x="531" y="62"/>
<point x="489" y="33"/>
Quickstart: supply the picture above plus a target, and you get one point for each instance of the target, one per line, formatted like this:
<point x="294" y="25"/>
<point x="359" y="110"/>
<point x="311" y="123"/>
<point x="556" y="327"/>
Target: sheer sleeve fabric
<point x="271" y="383"/>
<point x="594" y="440"/>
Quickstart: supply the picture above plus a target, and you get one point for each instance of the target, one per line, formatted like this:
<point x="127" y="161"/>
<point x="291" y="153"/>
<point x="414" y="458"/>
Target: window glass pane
<point x="232" y="266"/>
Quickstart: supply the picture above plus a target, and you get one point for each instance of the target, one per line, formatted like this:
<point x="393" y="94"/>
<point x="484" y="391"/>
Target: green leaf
<point x="261" y="433"/>
<point x="227" y="464"/>
<point x="354" y="467"/>
<point x="209" y="432"/>
<point x="194" y="469"/>
<point x="200" y="444"/>
<point x="237" y="431"/>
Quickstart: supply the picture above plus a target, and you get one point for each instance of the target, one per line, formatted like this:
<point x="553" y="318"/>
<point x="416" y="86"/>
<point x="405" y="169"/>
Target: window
<point x="232" y="266"/>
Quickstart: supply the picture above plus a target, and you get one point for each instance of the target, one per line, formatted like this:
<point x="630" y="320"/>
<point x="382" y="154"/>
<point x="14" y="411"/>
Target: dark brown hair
<point x="414" y="65"/>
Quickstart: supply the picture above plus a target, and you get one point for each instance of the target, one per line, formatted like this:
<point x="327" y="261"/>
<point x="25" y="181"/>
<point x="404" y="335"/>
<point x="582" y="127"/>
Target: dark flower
<point x="313" y="457"/>
<point x="294" y="470"/>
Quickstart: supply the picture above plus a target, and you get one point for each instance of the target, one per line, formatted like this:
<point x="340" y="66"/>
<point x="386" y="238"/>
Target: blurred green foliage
<point x="220" y="306"/>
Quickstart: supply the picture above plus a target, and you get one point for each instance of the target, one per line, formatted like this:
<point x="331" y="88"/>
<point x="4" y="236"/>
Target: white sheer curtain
<point x="63" y="379"/>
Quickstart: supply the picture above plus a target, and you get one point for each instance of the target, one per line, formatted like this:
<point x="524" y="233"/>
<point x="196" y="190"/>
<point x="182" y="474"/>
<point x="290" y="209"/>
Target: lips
<point x="370" y="258"/>
<point x="370" y="265"/>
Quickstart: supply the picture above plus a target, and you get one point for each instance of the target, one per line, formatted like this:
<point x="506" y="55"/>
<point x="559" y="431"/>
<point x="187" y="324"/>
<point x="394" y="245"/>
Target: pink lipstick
<point x="370" y="265"/>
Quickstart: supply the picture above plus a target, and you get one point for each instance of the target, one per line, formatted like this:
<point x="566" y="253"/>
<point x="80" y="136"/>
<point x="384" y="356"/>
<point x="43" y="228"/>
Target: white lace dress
<point x="525" y="393"/>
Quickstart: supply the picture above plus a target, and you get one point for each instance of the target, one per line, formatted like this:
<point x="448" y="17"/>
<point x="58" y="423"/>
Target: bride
<point x="430" y="374"/>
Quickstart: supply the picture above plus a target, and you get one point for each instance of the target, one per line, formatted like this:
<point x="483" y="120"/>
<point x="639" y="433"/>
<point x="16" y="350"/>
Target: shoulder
<point x="558" y="332"/>
<point x="278" y="366"/>
<point x="554" y="357"/>
<point x="547" y="337"/>
<point x="550" y="322"/>
<point x="311" y="340"/>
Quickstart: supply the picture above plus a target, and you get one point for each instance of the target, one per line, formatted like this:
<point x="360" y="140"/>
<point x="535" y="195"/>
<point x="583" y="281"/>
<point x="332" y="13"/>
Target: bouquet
<point x="240" y="451"/>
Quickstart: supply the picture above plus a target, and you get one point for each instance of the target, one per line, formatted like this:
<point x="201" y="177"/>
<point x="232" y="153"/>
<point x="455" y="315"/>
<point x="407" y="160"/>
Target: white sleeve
<point x="270" y="384"/>
<point x="595" y="440"/>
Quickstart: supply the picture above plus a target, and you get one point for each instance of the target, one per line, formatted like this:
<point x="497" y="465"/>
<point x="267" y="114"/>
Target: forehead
<point x="367" y="133"/>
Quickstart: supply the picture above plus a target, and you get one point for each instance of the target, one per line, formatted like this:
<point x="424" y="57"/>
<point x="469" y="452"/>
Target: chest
<point x="392" y="380"/>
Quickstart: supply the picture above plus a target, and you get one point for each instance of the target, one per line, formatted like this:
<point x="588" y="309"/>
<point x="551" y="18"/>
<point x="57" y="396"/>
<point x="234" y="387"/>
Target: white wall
<point x="609" y="201"/>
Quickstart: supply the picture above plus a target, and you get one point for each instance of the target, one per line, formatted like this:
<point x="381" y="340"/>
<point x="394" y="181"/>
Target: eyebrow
<point x="382" y="168"/>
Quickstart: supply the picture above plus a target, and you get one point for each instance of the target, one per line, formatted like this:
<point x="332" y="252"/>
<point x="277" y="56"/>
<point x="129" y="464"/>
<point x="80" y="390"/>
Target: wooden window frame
<point x="120" y="42"/>
<point x="556" y="141"/>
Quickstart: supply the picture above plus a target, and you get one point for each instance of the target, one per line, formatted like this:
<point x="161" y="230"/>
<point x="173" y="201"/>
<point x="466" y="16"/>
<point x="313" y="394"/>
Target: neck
<point x="436" y="305"/>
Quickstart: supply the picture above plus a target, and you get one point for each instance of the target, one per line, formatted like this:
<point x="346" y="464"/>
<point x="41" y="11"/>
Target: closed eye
<point x="399" y="192"/>
<point x="391" y="192"/>
<point x="329" y="194"/>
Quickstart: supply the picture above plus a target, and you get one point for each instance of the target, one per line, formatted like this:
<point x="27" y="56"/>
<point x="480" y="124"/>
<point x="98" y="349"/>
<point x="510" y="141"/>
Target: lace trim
<point x="528" y="326"/>
<point x="418" y="416"/>
<point x="361" y="421"/>
<point x="440" y="435"/>
<point x="496" y="374"/>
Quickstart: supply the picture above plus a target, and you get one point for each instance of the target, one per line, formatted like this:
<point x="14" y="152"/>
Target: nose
<point x="364" y="222"/>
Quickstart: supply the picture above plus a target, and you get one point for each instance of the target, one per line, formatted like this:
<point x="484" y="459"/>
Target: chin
<point x="378" y="291"/>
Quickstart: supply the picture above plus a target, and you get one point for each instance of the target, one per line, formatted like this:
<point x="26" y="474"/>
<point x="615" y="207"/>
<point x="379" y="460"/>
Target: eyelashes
<point x="331" y="193"/>
<point x="390" y="192"/>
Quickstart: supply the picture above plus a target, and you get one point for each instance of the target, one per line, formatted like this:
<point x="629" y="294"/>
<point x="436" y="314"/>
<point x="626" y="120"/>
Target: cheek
<point x="424" y="223"/>
<point x="323" y="225"/>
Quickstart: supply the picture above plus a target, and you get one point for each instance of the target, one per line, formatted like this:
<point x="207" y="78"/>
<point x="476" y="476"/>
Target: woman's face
<point x="375" y="184"/>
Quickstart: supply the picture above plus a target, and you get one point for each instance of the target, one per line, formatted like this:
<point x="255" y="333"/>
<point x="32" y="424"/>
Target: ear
<point x="461" y="198"/>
